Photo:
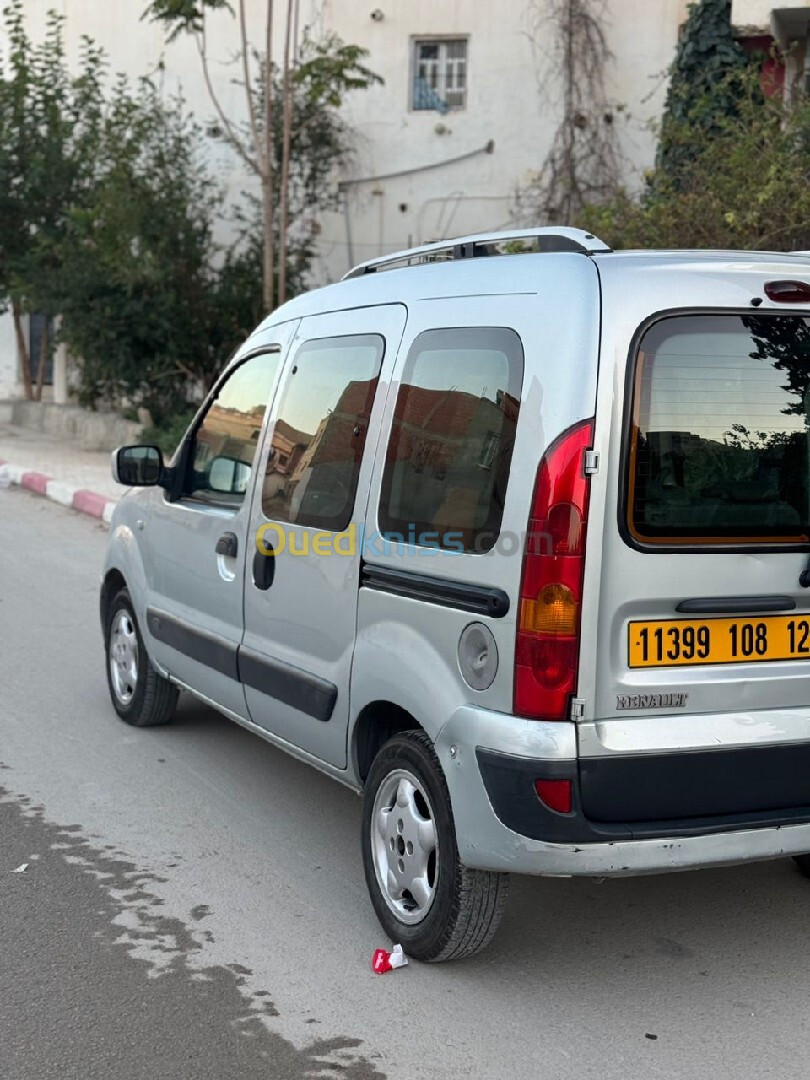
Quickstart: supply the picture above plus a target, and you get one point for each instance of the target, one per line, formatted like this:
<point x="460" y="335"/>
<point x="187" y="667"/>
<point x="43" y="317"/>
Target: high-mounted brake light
<point x="788" y="292"/>
<point x="547" y="647"/>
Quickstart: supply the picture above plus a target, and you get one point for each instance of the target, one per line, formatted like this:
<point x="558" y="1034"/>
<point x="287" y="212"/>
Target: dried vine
<point x="583" y="164"/>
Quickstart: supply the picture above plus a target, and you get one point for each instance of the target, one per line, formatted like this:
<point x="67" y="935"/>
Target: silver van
<point x="510" y="534"/>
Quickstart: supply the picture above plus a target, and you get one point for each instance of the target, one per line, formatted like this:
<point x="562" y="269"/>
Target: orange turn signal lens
<point x="555" y="611"/>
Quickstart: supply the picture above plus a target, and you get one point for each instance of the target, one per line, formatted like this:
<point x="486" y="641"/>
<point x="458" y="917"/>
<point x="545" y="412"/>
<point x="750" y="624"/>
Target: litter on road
<point x="383" y="961"/>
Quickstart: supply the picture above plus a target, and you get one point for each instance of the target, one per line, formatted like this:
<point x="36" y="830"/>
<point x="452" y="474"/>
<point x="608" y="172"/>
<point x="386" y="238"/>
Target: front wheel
<point x="140" y="695"/>
<point x="425" y="898"/>
<point x="803" y="863"/>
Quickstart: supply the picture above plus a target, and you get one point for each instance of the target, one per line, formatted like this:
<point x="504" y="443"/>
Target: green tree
<point x="106" y="221"/>
<point x="747" y="185"/>
<point x="271" y="141"/>
<point x="49" y="124"/>
<point x="706" y="81"/>
<point x="137" y="286"/>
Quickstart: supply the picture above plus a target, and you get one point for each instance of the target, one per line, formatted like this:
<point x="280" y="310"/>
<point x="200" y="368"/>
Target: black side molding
<point x="297" y="688"/>
<point x="193" y="642"/>
<point x="479" y="599"/>
<point x="735" y="605"/>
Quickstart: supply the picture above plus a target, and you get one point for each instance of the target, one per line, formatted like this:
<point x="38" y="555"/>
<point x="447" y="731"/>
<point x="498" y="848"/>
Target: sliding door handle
<point x="264" y="567"/>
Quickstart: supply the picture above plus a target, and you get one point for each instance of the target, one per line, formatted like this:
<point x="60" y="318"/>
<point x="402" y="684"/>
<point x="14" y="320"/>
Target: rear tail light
<point x="555" y="794"/>
<point x="547" y="648"/>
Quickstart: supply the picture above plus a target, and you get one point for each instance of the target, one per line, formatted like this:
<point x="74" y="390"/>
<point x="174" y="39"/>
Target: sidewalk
<point x="59" y="470"/>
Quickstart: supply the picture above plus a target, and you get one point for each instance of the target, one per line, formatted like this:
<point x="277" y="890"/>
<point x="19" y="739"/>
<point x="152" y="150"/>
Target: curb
<point x="85" y="502"/>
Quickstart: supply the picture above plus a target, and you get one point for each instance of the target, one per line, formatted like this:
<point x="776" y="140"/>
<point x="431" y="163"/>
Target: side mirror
<point x="228" y="476"/>
<point x="137" y="466"/>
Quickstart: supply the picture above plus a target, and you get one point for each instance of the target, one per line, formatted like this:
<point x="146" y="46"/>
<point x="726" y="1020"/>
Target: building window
<point x="440" y="75"/>
<point x="489" y="450"/>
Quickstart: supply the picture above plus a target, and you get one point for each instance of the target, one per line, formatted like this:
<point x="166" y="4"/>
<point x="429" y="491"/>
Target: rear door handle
<point x="264" y="567"/>
<point x="228" y="545"/>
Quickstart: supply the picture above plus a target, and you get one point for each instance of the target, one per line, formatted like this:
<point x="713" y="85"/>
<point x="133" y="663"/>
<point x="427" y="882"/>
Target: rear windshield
<point x="720" y="442"/>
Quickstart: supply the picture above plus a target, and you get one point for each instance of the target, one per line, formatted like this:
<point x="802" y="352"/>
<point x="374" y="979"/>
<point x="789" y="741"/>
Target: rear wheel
<point x="140" y="695"/>
<point x="426" y="900"/>
<point x="803" y="863"/>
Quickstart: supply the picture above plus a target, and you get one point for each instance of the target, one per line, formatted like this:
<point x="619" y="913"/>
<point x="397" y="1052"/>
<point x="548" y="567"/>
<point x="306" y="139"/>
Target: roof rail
<point x="511" y="242"/>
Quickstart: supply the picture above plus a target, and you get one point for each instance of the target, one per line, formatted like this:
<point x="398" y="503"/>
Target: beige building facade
<point x="460" y="128"/>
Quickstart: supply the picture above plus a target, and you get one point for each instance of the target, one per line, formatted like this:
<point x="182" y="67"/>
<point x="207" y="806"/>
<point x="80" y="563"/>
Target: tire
<point x="140" y="695"/>
<point x="803" y="864"/>
<point x="455" y="911"/>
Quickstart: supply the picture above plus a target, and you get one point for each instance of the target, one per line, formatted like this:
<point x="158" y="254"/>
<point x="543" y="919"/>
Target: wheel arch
<point x="112" y="583"/>
<point x="376" y="723"/>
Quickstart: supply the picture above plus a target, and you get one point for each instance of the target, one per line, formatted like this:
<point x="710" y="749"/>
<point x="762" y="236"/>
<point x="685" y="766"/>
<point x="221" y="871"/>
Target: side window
<point x="319" y="435"/>
<point x="448" y="458"/>
<point x="227" y="439"/>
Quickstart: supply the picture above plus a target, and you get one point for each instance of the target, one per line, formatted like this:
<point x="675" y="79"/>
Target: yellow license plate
<point x="676" y="642"/>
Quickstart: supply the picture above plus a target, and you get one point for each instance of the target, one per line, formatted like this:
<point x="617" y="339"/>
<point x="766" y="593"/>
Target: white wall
<point x="9" y="368"/>
<point x="508" y="102"/>
<point x="758" y="12"/>
<point x="751" y="12"/>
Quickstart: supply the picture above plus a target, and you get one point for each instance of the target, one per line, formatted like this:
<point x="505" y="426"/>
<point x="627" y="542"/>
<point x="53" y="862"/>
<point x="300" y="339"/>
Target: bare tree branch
<point x="254" y="127"/>
<point x="268" y="238"/>
<point x="583" y="163"/>
<point x="229" y="131"/>
<point x="283" y="211"/>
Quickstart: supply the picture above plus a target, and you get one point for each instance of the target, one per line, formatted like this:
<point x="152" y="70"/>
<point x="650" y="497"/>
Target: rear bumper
<point x="653" y="795"/>
<point x="630" y="814"/>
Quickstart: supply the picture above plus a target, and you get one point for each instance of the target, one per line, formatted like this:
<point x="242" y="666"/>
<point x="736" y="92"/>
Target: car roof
<point x="455" y="268"/>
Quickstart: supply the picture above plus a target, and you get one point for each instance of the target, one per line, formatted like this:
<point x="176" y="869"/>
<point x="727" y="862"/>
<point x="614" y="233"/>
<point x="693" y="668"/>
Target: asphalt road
<point x="194" y="905"/>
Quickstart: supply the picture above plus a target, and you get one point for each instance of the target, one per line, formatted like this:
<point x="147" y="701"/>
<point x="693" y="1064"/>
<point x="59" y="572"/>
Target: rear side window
<point x="720" y="440"/>
<point x="319" y="435"/>
<point x="448" y="458"/>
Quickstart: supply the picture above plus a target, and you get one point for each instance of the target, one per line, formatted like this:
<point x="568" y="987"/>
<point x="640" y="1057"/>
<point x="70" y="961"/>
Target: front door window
<point x="227" y="439"/>
<point x="318" y="439"/>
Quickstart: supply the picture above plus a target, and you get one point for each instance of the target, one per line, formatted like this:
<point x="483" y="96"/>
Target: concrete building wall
<point x="9" y="367"/>
<point x="512" y="100"/>
<point x="512" y="103"/>
<point x="758" y="12"/>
